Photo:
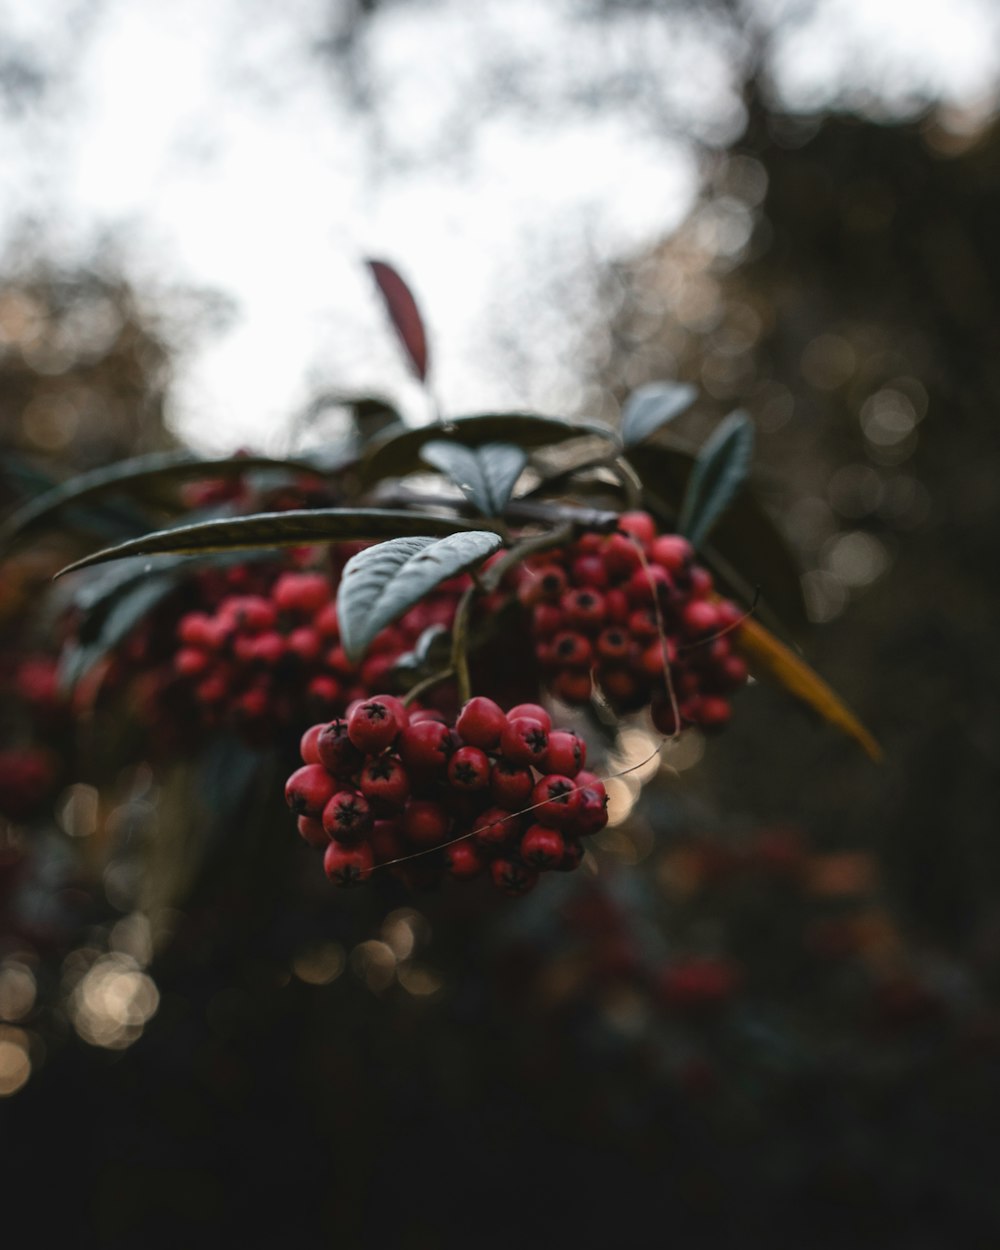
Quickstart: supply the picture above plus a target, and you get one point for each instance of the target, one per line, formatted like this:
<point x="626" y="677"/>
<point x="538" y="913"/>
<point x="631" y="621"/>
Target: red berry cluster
<point x="499" y="793"/>
<point x="596" y="612"/>
<point x="274" y="656"/>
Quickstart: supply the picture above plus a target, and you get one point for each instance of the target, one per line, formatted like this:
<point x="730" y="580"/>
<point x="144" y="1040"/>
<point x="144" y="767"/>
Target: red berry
<point x="425" y="823"/>
<point x="324" y="691"/>
<point x="572" y="686"/>
<point x="542" y="847"/>
<point x="309" y="789"/>
<point x="621" y="556"/>
<point x="639" y="524"/>
<point x="510" y="785"/>
<point x="700" y="582"/>
<point x="572" y="855"/>
<point x="570" y="650"/>
<point x="469" y="770"/>
<point x="513" y="877"/>
<point x="385" y="782"/>
<point x="374" y="725"/>
<point x="547" y="583"/>
<point x="711" y="712"/>
<point x="589" y="570"/>
<point x="584" y="609"/>
<point x="305" y="643"/>
<point x="386" y="841"/>
<point x="312" y="830"/>
<point x="268" y="648"/>
<point x="664" y="718"/>
<point x="325" y="621"/>
<point x="301" y="592"/>
<point x="496" y="827"/>
<point x="464" y="860"/>
<point x="525" y="740"/>
<point x="190" y="662"/>
<point x="555" y="799"/>
<point x="337" y="752"/>
<point x="733" y="673"/>
<point x="347" y="817"/>
<point x="425" y="745"/>
<point x="698" y="983"/>
<point x="567" y="753"/>
<point x="348" y="866"/>
<point x="546" y="620"/>
<point x="195" y="629"/>
<point x="647" y="583"/>
<point x="671" y="552"/>
<point x="613" y="644"/>
<point x="699" y="617"/>
<point x="621" y="687"/>
<point x="308" y="744"/>
<point x="481" y="722"/>
<point x="591" y="814"/>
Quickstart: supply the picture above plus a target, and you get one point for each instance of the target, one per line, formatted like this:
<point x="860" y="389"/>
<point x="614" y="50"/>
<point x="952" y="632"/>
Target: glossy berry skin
<point x="513" y="877"/>
<point x="374" y="725"/>
<point x="347" y="817"/>
<point x="525" y="740"/>
<point x="309" y="745"/>
<point x="425" y="746"/>
<point x="639" y="525"/>
<point x="481" y="722"/>
<point x="425" y="823"/>
<point x="567" y="753"/>
<point x="312" y="831"/>
<point x="555" y="799"/>
<point x="591" y="814"/>
<point x="469" y="770"/>
<point x="671" y="552"/>
<point x="464" y="860"/>
<point x="384" y="782"/>
<point x="309" y="789"/>
<point x="337" y="752"/>
<point x="570" y="650"/>
<point x="348" y="865"/>
<point x="510" y="785"/>
<point x="534" y="710"/>
<point x="542" y="847"/>
<point x="301" y="592"/>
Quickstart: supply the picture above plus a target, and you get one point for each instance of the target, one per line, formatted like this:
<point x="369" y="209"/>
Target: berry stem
<point x="428" y="683"/>
<point x="460" y="644"/>
<point x="528" y="547"/>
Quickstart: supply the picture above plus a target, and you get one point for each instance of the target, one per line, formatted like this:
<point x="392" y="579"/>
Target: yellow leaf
<point x="768" y="654"/>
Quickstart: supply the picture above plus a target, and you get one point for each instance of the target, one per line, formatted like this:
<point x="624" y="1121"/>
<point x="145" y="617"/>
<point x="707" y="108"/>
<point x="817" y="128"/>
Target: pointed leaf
<point x="747" y="550"/>
<point x="135" y="476"/>
<point x="381" y="583"/>
<point x="403" y="313"/>
<point x="276" y="529"/>
<point x="651" y="407"/>
<point x="768" y="655"/>
<point x="720" y="470"/>
<point x="400" y="453"/>
<point x="485" y="475"/>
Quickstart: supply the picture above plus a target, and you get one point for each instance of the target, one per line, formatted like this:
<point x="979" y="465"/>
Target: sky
<point x="212" y="146"/>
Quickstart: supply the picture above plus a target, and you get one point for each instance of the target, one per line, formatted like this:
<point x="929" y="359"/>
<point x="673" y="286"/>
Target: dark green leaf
<point x="400" y="454"/>
<point x="651" y="407"/>
<point x="136" y="476"/>
<point x="747" y="549"/>
<point x="277" y="529"/>
<point x="485" y="475"/>
<point x="719" y="471"/>
<point x="381" y="583"/>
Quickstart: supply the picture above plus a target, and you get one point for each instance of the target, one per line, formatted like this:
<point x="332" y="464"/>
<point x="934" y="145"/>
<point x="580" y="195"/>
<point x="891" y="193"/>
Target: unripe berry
<point x="348" y="866"/>
<point x="567" y="753"/>
<point x="312" y="831"/>
<point x="525" y="740"/>
<point x="425" y="823"/>
<point x="464" y="860"/>
<point x="337" y="752"/>
<point x="309" y="789"/>
<point x="374" y="725"/>
<point x="481" y="722"/>
<point x="513" y="877"/>
<point x="347" y="817"/>
<point x="469" y="770"/>
<point x="542" y="847"/>
<point x="425" y="745"/>
<point x="384" y="782"/>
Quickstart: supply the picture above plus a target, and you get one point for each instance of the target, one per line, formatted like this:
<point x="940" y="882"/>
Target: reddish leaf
<point x="404" y="314"/>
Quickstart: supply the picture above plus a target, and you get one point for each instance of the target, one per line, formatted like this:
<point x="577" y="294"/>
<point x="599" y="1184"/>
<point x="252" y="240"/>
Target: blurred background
<point x="771" y="1017"/>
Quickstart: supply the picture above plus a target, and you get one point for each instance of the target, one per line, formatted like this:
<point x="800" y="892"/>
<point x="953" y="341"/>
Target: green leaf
<point x="485" y="475"/>
<point x="747" y="551"/>
<point x="381" y="583"/>
<point x="719" y="471"/>
<point x="135" y="476"/>
<point x="276" y="529"/>
<point x="651" y="407"/>
<point x="400" y="453"/>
